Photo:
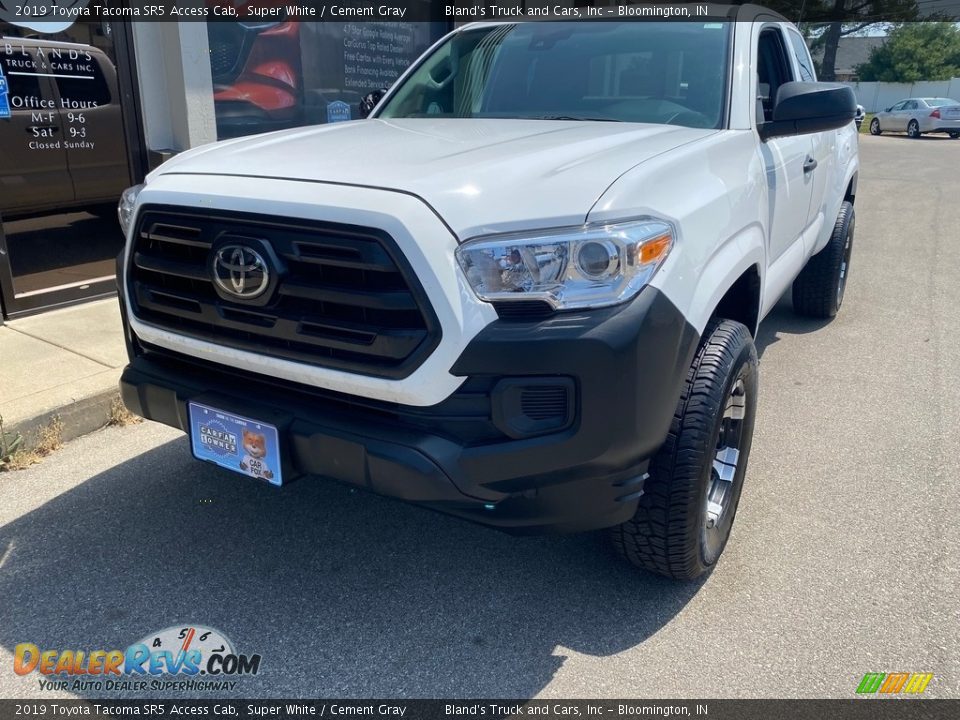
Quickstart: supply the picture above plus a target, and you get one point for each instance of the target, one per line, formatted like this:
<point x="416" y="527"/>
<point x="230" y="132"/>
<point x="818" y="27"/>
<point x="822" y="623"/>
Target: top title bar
<point x="267" y="11"/>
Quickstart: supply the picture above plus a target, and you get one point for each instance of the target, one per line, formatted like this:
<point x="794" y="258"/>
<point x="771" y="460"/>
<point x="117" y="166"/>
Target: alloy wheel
<point x="726" y="462"/>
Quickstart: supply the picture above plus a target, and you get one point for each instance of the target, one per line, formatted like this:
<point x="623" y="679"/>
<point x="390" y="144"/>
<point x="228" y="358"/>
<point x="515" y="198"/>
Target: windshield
<point x="650" y="72"/>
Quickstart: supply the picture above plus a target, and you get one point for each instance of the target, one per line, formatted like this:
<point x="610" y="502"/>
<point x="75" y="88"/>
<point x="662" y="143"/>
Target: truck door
<point x="789" y="186"/>
<point x="33" y="171"/>
<point x="89" y="102"/>
<point x="824" y="144"/>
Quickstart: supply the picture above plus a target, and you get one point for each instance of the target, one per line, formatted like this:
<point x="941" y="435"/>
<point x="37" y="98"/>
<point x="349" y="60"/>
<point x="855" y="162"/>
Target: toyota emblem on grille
<point x="240" y="271"/>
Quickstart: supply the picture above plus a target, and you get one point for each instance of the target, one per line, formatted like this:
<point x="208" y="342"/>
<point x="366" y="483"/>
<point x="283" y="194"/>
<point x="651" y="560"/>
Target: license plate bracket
<point x="245" y="445"/>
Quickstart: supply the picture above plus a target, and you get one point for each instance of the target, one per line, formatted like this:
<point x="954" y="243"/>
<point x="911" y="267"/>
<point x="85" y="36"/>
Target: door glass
<point x="65" y="164"/>
<point x="803" y="57"/>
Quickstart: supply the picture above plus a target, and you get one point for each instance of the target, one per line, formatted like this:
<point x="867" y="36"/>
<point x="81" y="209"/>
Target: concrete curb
<point x="78" y="418"/>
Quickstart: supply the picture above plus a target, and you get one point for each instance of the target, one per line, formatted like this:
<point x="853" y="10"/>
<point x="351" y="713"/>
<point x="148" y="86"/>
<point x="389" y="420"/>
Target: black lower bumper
<point x="469" y="456"/>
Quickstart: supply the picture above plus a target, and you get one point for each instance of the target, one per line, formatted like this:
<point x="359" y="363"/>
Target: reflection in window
<point x="21" y="70"/>
<point x="84" y="89"/>
<point x="670" y="73"/>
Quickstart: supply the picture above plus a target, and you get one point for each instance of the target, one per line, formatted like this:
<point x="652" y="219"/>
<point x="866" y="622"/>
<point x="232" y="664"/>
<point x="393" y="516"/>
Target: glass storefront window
<point x="65" y="163"/>
<point x="271" y="76"/>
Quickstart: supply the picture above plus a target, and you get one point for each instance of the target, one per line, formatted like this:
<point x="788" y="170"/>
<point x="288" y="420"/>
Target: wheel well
<point x="851" y="192"/>
<point x="742" y="301"/>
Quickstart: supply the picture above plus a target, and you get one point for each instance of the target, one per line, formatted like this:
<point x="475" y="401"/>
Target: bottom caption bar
<point x="863" y="708"/>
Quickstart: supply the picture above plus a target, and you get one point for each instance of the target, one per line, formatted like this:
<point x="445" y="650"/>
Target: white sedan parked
<point x="917" y="116"/>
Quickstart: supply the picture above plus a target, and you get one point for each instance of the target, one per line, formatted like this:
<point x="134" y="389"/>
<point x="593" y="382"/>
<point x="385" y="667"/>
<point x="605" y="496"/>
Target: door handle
<point x="809" y="165"/>
<point x="55" y="128"/>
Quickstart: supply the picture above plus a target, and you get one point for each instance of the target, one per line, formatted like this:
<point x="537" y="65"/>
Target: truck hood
<point x="479" y="176"/>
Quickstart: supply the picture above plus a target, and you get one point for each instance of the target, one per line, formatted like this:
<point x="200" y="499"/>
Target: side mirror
<point x="808" y="107"/>
<point x="370" y="101"/>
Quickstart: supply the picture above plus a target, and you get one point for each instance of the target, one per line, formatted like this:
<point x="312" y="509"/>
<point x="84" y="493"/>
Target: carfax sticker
<point x="4" y="96"/>
<point x="236" y="443"/>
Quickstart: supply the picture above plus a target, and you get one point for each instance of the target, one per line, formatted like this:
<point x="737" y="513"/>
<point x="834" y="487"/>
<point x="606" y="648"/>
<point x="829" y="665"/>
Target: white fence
<point x="876" y="96"/>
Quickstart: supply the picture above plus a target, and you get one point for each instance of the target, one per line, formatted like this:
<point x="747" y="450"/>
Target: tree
<point x="826" y="21"/>
<point x="915" y="52"/>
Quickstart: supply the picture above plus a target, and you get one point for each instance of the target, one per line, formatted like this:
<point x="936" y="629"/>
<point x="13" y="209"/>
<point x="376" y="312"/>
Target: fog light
<point x="529" y="406"/>
<point x="598" y="259"/>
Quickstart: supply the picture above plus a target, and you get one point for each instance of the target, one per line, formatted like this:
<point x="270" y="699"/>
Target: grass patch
<point x="49" y="439"/>
<point x="865" y="127"/>
<point x="120" y="416"/>
<point x="10" y="444"/>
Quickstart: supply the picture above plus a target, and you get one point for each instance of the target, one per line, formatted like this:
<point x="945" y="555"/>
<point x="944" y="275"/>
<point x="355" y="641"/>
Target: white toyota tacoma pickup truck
<point x="523" y="291"/>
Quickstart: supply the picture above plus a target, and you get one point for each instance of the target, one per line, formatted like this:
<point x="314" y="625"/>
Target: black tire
<point x="875" y="127"/>
<point x="954" y="135"/>
<point x="670" y="533"/>
<point x="913" y="129"/>
<point x="819" y="288"/>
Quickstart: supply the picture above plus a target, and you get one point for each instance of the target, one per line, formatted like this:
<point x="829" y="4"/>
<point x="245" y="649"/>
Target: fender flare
<point x="743" y="251"/>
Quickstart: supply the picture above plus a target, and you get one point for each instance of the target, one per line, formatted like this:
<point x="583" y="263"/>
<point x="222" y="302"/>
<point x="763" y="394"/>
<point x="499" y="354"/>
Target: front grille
<point x="346" y="298"/>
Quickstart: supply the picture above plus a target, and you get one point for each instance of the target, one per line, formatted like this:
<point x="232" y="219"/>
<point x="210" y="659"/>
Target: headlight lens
<point x="583" y="267"/>
<point x="128" y="202"/>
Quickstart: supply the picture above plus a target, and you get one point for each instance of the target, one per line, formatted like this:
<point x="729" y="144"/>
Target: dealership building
<point x="88" y="108"/>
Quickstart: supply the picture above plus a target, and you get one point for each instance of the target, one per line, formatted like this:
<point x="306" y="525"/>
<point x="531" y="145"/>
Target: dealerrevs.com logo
<point x="188" y="657"/>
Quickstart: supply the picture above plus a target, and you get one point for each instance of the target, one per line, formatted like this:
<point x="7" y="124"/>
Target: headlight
<point x="128" y="202"/>
<point x="582" y="267"/>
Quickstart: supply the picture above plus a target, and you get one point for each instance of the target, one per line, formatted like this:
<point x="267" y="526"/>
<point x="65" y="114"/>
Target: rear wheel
<point x="875" y="127"/>
<point x="684" y="517"/>
<point x="955" y="135"/>
<point x="819" y="288"/>
<point x="913" y="129"/>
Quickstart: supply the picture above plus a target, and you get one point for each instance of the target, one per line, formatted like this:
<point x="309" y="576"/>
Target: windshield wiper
<point x="576" y="117"/>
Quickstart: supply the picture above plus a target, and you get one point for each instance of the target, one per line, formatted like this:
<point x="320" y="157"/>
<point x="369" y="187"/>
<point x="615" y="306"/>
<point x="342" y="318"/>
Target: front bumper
<point x="624" y="367"/>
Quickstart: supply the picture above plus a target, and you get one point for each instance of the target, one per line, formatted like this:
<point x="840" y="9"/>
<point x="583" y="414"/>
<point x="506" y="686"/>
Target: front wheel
<point x="913" y="129"/>
<point x="875" y="127"/>
<point x="683" y="519"/>
<point x="954" y="135"/>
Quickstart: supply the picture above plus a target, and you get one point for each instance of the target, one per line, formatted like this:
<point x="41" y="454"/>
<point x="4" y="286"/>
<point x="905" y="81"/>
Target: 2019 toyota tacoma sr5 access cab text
<point x="523" y="291"/>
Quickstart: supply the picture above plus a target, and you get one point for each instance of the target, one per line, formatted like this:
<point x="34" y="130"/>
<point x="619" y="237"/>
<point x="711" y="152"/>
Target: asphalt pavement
<point x="843" y="560"/>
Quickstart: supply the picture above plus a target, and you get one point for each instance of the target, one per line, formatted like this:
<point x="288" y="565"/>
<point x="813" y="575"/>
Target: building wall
<point x="176" y="89"/>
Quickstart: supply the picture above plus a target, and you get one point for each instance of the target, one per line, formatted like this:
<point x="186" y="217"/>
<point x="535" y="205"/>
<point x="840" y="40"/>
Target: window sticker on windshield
<point x="713" y="26"/>
<point x="338" y="111"/>
<point x="4" y="97"/>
